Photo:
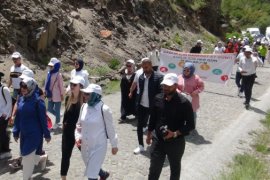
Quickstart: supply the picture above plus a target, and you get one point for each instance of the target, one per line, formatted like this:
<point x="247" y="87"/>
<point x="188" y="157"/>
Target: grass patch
<point x="247" y="167"/>
<point x="254" y="165"/>
<point x="99" y="71"/>
<point x="112" y="87"/>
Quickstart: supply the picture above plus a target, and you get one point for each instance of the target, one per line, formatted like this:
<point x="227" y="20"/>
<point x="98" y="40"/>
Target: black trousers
<point x="143" y="116"/>
<point x="4" y="137"/>
<point x="174" y="150"/>
<point x="238" y="78"/>
<point x="248" y="82"/>
<point x="68" y="142"/>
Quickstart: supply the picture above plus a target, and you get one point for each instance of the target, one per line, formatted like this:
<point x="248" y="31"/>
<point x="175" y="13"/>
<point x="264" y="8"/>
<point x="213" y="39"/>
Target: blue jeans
<point x="55" y="108"/>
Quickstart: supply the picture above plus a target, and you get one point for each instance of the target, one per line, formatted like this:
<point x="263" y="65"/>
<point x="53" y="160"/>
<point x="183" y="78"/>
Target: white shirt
<point x="154" y="57"/>
<point x="5" y="107"/>
<point x="136" y="79"/>
<point x="145" y="97"/>
<point x="18" y="71"/>
<point x="91" y="130"/>
<point x="248" y="64"/>
<point x="239" y="56"/>
<point x="219" y="50"/>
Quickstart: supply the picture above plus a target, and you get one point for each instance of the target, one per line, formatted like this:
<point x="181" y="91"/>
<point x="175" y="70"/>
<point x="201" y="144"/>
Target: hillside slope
<point x="99" y="32"/>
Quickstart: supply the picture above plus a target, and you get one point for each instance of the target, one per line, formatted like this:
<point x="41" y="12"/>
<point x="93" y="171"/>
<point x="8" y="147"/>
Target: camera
<point x="164" y="130"/>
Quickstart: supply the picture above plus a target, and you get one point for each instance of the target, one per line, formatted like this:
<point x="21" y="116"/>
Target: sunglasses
<point x="22" y="85"/>
<point x="128" y="66"/>
<point x="15" y="59"/>
<point x="72" y="84"/>
<point x="186" y="70"/>
<point x="87" y="94"/>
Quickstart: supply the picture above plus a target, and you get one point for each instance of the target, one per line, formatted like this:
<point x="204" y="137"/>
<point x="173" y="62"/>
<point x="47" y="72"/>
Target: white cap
<point x="246" y="46"/>
<point x="16" y="55"/>
<point x="131" y="61"/>
<point x="248" y="49"/>
<point x="170" y="79"/>
<point x="146" y="59"/>
<point x="30" y="83"/>
<point x="93" y="88"/>
<point x="27" y="73"/>
<point x="53" y="61"/>
<point x="199" y="41"/>
<point x="78" y="80"/>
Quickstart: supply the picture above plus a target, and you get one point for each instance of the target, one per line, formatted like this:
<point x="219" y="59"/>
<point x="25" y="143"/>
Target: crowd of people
<point x="165" y="106"/>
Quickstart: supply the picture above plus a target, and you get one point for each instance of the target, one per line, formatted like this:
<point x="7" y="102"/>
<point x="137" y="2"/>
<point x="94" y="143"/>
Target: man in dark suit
<point x="149" y="84"/>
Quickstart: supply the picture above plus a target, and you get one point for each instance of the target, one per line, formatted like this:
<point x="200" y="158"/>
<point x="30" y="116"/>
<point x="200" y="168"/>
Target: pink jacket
<point x="57" y="87"/>
<point x="192" y="86"/>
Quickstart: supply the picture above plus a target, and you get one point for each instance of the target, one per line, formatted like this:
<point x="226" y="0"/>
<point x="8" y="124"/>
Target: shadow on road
<point x="228" y="95"/>
<point x="132" y="121"/>
<point x="256" y="110"/>
<point x="196" y="138"/>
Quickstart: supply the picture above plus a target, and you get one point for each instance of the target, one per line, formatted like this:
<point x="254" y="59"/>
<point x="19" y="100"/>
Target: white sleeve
<point x="8" y="107"/>
<point x="108" y="119"/>
<point x="86" y="74"/>
<point x="78" y="130"/>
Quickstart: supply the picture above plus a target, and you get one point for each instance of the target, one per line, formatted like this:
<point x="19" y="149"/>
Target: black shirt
<point x="196" y="49"/>
<point x="177" y="114"/>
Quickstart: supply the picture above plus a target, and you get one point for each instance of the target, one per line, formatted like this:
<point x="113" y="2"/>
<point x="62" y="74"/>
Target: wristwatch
<point x="175" y="134"/>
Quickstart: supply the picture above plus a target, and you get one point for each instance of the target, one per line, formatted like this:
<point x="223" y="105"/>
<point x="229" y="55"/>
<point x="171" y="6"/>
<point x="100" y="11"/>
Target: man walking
<point x="171" y="118"/>
<point x="247" y="68"/>
<point x="149" y="85"/>
<point x="15" y="71"/>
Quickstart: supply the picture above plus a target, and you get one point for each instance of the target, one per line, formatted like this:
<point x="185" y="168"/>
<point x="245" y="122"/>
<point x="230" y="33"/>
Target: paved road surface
<point x="222" y="130"/>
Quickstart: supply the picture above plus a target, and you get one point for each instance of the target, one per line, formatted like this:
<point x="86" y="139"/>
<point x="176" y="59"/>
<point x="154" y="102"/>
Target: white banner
<point x="216" y="68"/>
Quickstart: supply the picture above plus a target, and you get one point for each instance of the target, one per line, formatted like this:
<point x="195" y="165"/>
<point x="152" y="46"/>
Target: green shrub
<point x="114" y="64"/>
<point x="177" y="39"/>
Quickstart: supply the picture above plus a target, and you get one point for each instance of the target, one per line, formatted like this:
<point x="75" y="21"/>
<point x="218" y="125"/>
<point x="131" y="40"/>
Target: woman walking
<point x="71" y="115"/>
<point x="191" y="84"/>
<point x="128" y="105"/>
<point x="79" y="71"/>
<point x="94" y="126"/>
<point x="54" y="90"/>
<point x="30" y="126"/>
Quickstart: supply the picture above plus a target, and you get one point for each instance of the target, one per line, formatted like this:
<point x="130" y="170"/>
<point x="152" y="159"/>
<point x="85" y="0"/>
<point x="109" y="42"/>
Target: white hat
<point x="146" y="59"/>
<point x="16" y="55"/>
<point x="246" y="46"/>
<point x="53" y="61"/>
<point x="27" y="73"/>
<point x="30" y="83"/>
<point x="78" y="80"/>
<point x="248" y="49"/>
<point x="170" y="79"/>
<point x="131" y="61"/>
<point x="93" y="88"/>
<point x="199" y="41"/>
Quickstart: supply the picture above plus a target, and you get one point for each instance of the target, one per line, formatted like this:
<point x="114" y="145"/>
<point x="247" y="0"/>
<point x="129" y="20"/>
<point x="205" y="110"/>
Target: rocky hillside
<point x="105" y="33"/>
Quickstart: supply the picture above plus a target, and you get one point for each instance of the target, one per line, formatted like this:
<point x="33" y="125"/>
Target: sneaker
<point x="145" y="129"/>
<point x="107" y="174"/>
<point x="241" y="94"/>
<point x="55" y="126"/>
<point x="16" y="164"/>
<point x="247" y="106"/>
<point x="43" y="161"/>
<point x="139" y="149"/>
<point x="5" y="155"/>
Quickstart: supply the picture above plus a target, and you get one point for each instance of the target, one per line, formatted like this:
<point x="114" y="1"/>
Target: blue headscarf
<point x="81" y="63"/>
<point x="94" y="99"/>
<point x="191" y="68"/>
<point x="55" y="69"/>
